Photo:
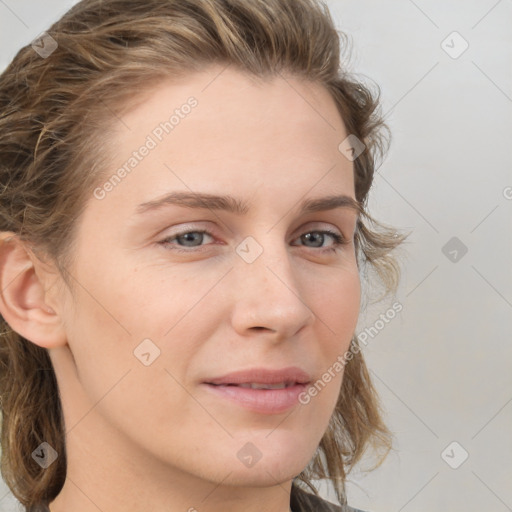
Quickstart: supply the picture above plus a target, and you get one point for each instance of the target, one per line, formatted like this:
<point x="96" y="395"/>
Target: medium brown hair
<point x="56" y="116"/>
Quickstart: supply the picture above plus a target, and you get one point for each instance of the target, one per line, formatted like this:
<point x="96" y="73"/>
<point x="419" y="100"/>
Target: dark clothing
<point x="302" y="501"/>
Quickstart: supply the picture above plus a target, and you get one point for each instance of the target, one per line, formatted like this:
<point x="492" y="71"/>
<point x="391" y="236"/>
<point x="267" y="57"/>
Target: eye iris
<point x="189" y="237"/>
<point x="309" y="236"/>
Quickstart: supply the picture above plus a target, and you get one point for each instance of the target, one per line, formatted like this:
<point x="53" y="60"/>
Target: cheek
<point x="119" y="382"/>
<point x="101" y="346"/>
<point x="119" y="320"/>
<point x="336" y="302"/>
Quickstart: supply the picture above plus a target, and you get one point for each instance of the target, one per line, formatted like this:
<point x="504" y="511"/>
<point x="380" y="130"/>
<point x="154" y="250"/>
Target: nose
<point x="268" y="295"/>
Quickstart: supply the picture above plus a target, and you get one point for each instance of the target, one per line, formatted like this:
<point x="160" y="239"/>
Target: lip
<point x="261" y="401"/>
<point x="263" y="375"/>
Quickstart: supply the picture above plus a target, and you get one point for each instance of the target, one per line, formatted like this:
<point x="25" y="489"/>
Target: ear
<point x="24" y="281"/>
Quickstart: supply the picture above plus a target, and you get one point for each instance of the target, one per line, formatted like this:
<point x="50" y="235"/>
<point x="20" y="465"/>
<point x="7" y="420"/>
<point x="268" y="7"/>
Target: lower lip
<point x="263" y="401"/>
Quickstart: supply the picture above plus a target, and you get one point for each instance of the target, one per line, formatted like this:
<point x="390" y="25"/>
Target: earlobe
<point x="22" y="295"/>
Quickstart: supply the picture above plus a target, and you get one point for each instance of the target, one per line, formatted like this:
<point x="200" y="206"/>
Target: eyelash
<point x="339" y="240"/>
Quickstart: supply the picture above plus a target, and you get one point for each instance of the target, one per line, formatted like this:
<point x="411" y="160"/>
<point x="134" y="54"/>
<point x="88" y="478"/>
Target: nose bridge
<point x="265" y="259"/>
<point x="268" y="293"/>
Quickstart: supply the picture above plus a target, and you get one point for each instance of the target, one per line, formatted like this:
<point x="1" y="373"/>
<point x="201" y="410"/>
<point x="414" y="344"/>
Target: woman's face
<point x="158" y="314"/>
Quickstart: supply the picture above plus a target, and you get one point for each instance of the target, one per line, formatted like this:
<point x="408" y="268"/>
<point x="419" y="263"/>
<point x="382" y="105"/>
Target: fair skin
<point x="152" y="437"/>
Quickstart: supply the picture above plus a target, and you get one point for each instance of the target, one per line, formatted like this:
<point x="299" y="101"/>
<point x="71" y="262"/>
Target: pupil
<point x="313" y="235"/>
<point x="189" y="237"/>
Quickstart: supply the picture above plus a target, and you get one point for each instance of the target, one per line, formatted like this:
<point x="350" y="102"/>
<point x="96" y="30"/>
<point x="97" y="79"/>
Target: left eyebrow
<point x="239" y="207"/>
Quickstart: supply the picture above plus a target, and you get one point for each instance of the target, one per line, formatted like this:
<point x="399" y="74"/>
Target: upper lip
<point x="291" y="374"/>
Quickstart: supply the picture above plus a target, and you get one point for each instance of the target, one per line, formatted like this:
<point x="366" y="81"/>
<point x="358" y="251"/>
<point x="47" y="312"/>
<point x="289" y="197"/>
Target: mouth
<point x="263" y="378"/>
<point x="260" y="391"/>
<point x="257" y="385"/>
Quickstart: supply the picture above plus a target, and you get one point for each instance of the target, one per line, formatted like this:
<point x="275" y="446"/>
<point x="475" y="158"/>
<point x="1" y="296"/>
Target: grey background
<point x="442" y="366"/>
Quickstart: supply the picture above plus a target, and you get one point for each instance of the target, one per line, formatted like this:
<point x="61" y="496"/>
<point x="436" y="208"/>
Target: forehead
<point x="222" y="129"/>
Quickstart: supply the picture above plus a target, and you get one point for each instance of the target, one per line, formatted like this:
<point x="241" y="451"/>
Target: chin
<point x="265" y="475"/>
<point x="265" y="462"/>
